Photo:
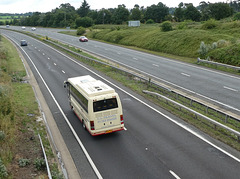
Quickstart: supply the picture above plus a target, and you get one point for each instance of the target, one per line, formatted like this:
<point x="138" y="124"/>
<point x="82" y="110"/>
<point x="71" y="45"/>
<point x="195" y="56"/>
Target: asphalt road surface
<point x="155" y="143"/>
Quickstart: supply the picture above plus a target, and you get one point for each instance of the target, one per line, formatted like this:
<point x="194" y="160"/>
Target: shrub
<point x="84" y="22"/>
<point x="40" y="164"/>
<point x="222" y="43"/>
<point x="3" y="170"/>
<point x="23" y="162"/>
<point x="210" y="24"/>
<point x="203" y="50"/>
<point x="81" y="30"/>
<point x="150" y="21"/>
<point x="2" y="135"/>
<point x="166" y="26"/>
<point x="182" y="25"/>
<point x="236" y="16"/>
<point x="228" y="55"/>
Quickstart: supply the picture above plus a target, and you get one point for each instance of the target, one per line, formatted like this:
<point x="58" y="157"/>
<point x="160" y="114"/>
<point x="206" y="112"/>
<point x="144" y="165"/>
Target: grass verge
<point x="20" y="121"/>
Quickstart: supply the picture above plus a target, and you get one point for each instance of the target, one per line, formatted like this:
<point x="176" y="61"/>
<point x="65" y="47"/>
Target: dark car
<point x="83" y="39"/>
<point x="23" y="43"/>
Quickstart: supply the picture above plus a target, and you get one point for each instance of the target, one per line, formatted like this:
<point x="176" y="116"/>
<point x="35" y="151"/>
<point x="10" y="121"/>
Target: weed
<point x="3" y="170"/>
<point x="40" y="164"/>
<point x="2" y="135"/>
<point x="23" y="162"/>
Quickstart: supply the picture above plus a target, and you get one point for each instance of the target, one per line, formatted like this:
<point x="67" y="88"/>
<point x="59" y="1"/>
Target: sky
<point x="23" y="6"/>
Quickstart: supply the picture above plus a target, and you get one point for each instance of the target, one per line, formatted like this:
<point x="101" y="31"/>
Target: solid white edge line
<point x="66" y="119"/>
<point x="174" y="174"/>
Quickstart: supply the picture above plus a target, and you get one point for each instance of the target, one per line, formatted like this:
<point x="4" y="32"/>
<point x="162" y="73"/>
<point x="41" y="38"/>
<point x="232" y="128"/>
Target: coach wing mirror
<point x="65" y="84"/>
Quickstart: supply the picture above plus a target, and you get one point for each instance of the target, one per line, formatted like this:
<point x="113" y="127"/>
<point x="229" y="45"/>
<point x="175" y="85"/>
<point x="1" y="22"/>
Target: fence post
<point x="226" y="118"/>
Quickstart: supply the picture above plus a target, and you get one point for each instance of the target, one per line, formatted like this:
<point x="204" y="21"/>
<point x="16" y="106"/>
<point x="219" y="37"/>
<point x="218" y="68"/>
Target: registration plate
<point x="109" y="131"/>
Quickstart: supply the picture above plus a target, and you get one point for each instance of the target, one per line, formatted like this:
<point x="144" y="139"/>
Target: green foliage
<point x="150" y="21"/>
<point x="179" y="14"/>
<point x="2" y="135"/>
<point x="220" y="10"/>
<point x="3" y="170"/>
<point x="136" y="13"/>
<point x="84" y="9"/>
<point x="23" y="162"/>
<point x="120" y="15"/>
<point x="182" y="25"/>
<point x="185" y="42"/>
<point x="166" y="26"/>
<point x="203" y="50"/>
<point x="40" y="164"/>
<point x="57" y="175"/>
<point x="81" y="30"/>
<point x="84" y="22"/>
<point x="157" y="12"/>
<point x="236" y="16"/>
<point x="191" y="13"/>
<point x="210" y="24"/>
<point x="228" y="55"/>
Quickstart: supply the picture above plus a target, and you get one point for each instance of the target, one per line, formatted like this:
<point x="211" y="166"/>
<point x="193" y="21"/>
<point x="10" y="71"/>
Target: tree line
<point x="67" y="16"/>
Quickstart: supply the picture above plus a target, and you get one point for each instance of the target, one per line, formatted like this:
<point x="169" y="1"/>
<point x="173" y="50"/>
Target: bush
<point x="166" y="26"/>
<point x="182" y="25"/>
<point x="81" y="30"/>
<point x="84" y="22"/>
<point x="229" y="55"/>
<point x="210" y="24"/>
<point x="203" y="50"/>
<point x="150" y="21"/>
<point x="2" y="135"/>
<point x="40" y="164"/>
<point x="23" y="162"/>
<point x="3" y="170"/>
<point x="236" y="16"/>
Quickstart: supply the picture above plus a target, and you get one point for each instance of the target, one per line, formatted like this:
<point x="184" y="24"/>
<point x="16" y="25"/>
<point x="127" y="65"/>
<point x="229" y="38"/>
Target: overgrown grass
<point x="183" y="41"/>
<point x="18" y="110"/>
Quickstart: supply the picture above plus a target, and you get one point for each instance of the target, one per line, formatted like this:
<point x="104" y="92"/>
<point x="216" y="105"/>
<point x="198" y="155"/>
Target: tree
<point x="103" y="17"/>
<point x="136" y="13"/>
<point x="84" y="9"/>
<point x="191" y="13"/>
<point x="84" y="22"/>
<point x="179" y="14"/>
<point x="120" y="14"/>
<point x="157" y="12"/>
<point x="204" y="10"/>
<point x="220" y="10"/>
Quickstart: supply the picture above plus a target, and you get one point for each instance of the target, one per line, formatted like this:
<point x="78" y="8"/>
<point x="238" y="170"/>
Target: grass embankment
<point x="183" y="42"/>
<point x="20" y="151"/>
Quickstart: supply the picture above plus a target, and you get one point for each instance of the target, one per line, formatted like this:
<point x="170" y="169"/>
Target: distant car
<point x="23" y="28"/>
<point x="33" y="28"/>
<point x="7" y="26"/>
<point x="23" y="43"/>
<point x="83" y="39"/>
